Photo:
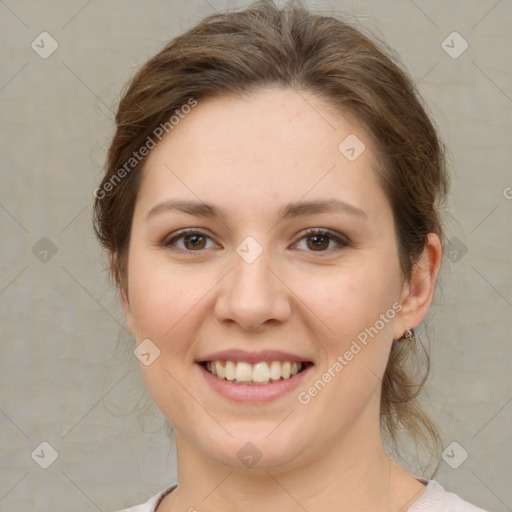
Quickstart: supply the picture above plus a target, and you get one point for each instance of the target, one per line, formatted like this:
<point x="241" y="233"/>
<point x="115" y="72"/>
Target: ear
<point x="418" y="292"/>
<point x="122" y="287"/>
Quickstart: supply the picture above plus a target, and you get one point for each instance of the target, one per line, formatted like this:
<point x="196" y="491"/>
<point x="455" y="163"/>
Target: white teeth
<point x="219" y="370"/>
<point x="275" y="370"/>
<point x="285" y="370"/>
<point x="245" y="373"/>
<point x="260" y="372"/>
<point x="230" y="370"/>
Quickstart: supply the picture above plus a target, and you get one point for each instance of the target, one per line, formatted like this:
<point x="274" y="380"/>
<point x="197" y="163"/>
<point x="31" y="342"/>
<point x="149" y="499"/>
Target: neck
<point x="354" y="473"/>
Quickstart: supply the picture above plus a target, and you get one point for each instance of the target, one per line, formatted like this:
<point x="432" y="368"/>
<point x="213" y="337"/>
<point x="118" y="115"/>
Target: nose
<point x="253" y="295"/>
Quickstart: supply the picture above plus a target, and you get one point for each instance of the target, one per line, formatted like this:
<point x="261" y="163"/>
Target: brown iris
<point x="319" y="245"/>
<point x="194" y="239"/>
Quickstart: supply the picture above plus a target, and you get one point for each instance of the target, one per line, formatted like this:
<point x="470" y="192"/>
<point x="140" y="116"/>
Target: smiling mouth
<point x="262" y="373"/>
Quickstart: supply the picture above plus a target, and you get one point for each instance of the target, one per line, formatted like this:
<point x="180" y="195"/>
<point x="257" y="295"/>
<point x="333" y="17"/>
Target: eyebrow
<point x="290" y="210"/>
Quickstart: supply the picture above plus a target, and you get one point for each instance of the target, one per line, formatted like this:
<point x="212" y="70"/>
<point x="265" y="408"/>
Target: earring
<point x="408" y="335"/>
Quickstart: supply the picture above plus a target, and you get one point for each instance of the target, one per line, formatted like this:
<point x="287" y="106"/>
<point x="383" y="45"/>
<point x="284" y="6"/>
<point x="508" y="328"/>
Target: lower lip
<point x="257" y="393"/>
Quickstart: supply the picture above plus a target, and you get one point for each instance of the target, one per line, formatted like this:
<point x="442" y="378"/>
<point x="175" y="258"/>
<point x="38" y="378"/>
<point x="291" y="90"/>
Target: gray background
<point x="68" y="376"/>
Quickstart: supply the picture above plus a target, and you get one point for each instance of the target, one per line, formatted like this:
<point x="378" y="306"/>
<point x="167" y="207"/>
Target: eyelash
<point x="340" y="240"/>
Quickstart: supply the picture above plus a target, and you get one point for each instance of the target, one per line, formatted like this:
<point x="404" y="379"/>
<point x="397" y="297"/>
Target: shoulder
<point x="434" y="499"/>
<point x="438" y="499"/>
<point x="152" y="503"/>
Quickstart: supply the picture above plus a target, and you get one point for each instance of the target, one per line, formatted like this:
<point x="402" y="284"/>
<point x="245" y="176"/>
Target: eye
<point x="193" y="240"/>
<point x="321" y="238"/>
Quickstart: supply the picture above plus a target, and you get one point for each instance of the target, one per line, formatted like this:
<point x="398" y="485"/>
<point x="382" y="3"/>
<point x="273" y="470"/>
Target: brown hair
<point x="261" y="46"/>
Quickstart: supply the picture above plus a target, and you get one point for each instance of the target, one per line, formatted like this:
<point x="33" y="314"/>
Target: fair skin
<point x="250" y="158"/>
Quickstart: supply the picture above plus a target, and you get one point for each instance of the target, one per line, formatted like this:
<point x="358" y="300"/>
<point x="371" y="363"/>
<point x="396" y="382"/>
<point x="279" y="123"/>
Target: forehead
<point x="277" y="146"/>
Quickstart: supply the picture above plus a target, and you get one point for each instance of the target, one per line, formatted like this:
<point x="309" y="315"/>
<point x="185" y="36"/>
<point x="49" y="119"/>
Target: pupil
<point x="316" y="239"/>
<point x="194" y="239"/>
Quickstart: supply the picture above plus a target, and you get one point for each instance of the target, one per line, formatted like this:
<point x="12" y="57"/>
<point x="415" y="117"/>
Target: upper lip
<point x="252" y="357"/>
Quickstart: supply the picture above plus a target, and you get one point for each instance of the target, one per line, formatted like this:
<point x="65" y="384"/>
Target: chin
<point x="253" y="450"/>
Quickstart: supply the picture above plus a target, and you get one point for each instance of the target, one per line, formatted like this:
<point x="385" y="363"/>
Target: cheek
<point x="356" y="306"/>
<point x="162" y="296"/>
<point x="352" y="299"/>
<point x="166" y="304"/>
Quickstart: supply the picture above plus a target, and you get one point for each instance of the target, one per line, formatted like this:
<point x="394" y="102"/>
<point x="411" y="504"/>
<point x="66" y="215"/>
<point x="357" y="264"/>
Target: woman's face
<point x="253" y="286"/>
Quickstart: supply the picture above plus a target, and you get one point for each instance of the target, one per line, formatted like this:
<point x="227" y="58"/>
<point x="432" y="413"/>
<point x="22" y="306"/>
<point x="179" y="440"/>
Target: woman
<point x="270" y="206"/>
